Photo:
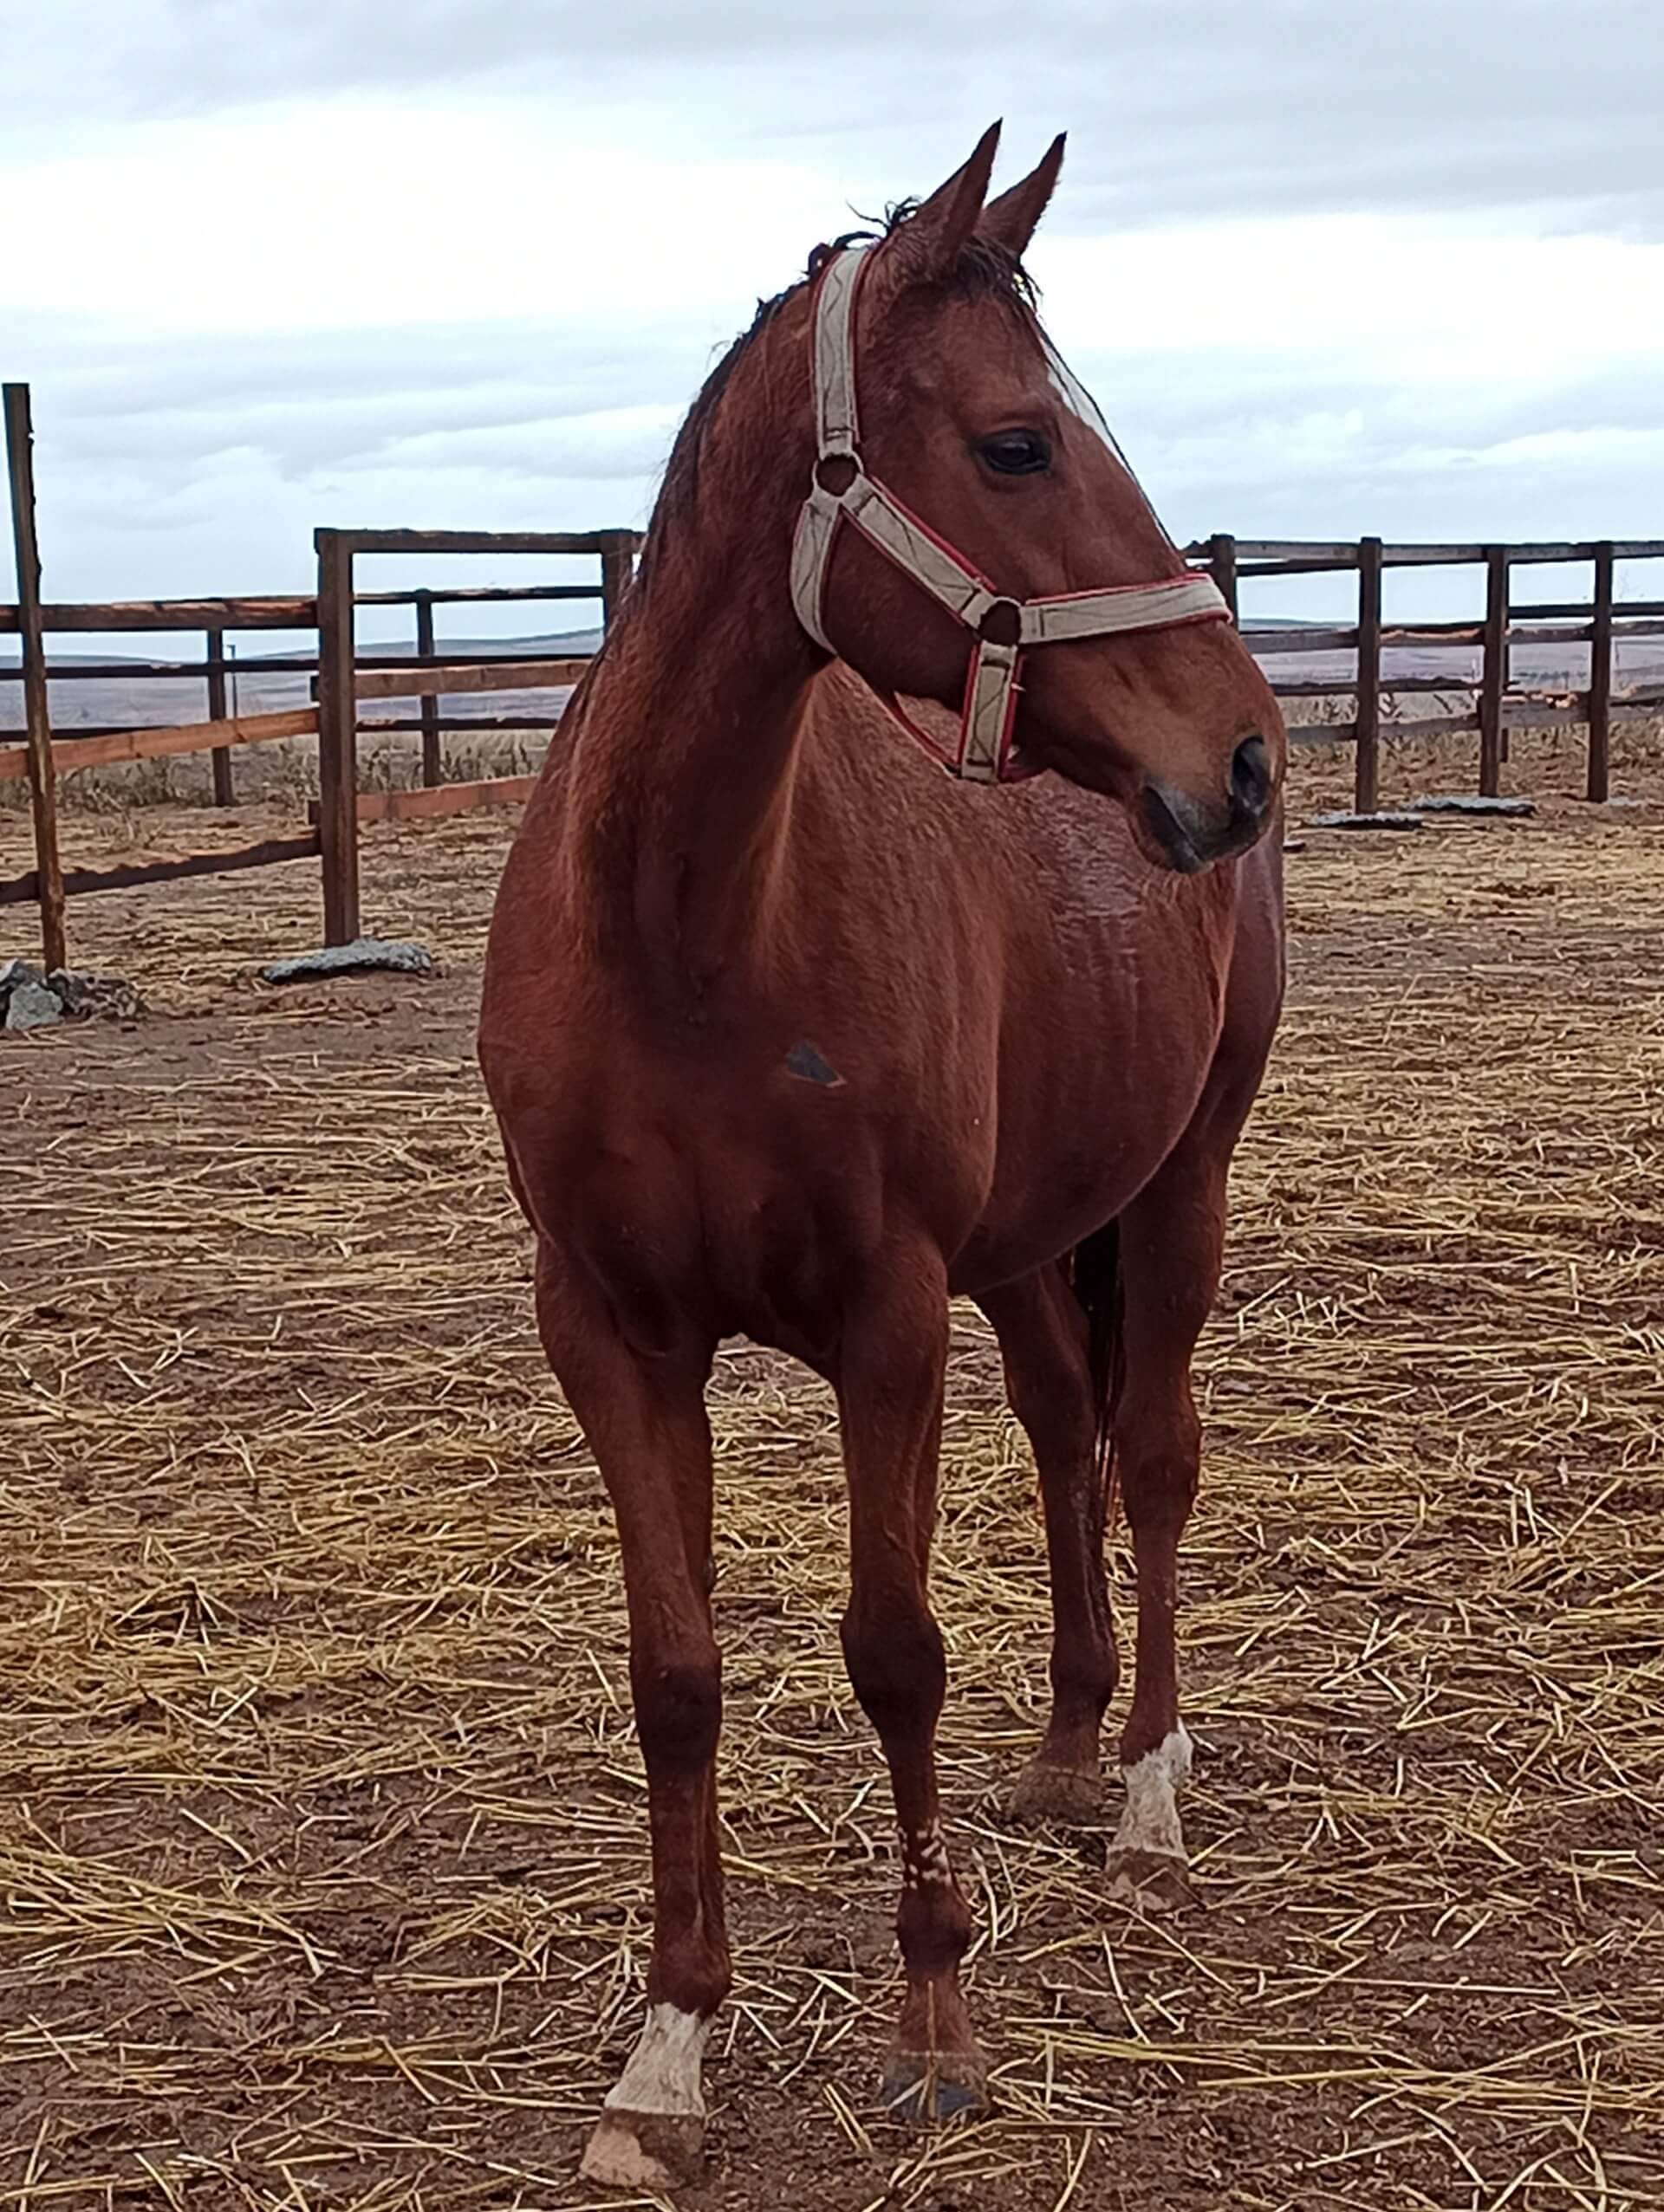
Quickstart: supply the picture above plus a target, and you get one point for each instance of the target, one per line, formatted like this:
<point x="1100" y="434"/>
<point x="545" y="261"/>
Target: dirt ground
<point x="322" y="1855"/>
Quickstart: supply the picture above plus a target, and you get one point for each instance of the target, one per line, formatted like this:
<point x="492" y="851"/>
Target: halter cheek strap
<point x="842" y="491"/>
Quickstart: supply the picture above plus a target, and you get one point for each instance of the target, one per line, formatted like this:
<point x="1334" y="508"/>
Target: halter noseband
<point x="841" y="490"/>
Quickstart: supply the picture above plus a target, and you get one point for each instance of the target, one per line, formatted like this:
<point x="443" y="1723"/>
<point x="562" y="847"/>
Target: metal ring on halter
<point x="840" y="490"/>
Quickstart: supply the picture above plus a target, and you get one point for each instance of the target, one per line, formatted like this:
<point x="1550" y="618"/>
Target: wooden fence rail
<point x="343" y="678"/>
<point x="1601" y="623"/>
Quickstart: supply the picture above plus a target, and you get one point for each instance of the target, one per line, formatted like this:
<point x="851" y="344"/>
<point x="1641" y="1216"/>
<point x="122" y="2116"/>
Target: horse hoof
<point x="1053" y="1797"/>
<point x="646" y="2152"/>
<point x="1154" y="1880"/>
<point x="922" y="2086"/>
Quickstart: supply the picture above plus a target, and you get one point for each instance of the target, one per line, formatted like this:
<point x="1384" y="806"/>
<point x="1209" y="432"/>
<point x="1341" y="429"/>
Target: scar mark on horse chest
<point x="803" y="1062"/>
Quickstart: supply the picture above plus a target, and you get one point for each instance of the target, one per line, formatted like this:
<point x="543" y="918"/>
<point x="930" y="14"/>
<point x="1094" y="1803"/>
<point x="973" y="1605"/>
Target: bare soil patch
<point x="323" y="1856"/>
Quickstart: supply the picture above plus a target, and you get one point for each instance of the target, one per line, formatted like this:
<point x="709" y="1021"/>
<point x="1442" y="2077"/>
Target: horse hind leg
<point x="644" y="1422"/>
<point x="1045" y="1344"/>
<point x="1172" y="1243"/>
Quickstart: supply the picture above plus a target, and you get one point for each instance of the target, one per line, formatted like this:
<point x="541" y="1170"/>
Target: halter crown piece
<point x="1003" y="627"/>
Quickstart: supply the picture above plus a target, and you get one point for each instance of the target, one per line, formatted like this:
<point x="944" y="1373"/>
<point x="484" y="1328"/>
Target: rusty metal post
<point x="37" y="722"/>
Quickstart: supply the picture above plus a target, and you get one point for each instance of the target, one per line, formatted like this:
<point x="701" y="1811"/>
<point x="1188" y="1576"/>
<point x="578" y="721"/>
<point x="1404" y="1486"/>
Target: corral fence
<point x="343" y="677"/>
<point x="1601" y="622"/>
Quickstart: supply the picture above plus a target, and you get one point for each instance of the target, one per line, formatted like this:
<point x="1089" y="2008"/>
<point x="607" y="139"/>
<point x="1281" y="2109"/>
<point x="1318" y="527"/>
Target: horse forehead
<point x="956" y="338"/>
<point x="969" y="384"/>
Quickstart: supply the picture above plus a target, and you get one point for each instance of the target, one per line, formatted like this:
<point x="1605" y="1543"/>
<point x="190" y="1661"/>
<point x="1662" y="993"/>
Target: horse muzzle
<point x="1189" y="834"/>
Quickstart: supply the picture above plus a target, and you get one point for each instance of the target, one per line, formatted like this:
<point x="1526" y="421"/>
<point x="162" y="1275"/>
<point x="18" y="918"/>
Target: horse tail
<point x="1093" y="1268"/>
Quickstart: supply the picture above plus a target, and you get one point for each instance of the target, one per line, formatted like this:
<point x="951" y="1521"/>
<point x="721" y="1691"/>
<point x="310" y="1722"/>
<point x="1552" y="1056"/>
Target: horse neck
<point x="683" y="772"/>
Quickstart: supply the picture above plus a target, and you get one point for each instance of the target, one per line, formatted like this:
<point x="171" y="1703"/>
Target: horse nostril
<point x="1251" y="777"/>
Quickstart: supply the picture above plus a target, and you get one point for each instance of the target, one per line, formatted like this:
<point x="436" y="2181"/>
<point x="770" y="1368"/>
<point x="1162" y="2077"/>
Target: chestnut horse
<point x="790" y="1035"/>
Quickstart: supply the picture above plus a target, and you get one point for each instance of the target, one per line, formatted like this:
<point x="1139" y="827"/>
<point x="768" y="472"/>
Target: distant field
<point x="514" y="726"/>
<point x="135" y="701"/>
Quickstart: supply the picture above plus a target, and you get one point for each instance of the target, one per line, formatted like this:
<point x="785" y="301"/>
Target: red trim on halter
<point x="954" y="763"/>
<point x="898" y="713"/>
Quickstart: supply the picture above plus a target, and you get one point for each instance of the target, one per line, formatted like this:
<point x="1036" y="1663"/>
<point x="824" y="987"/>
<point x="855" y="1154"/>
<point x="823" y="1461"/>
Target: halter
<point x="1003" y="627"/>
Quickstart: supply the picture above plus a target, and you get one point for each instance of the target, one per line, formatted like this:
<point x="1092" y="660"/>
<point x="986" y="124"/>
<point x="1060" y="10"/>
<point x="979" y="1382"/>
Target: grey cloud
<point x="1213" y="106"/>
<point x="186" y="462"/>
<point x="1201" y="395"/>
<point x="547" y="399"/>
<point x="195" y="464"/>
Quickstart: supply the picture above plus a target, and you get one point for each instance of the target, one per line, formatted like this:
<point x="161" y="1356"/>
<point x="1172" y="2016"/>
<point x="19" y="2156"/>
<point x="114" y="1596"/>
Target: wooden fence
<point x="343" y="678"/>
<point x="1601" y="622"/>
<point x="344" y="681"/>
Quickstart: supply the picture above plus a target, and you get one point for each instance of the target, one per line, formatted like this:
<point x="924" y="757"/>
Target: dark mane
<point x="679" y="485"/>
<point x="983" y="270"/>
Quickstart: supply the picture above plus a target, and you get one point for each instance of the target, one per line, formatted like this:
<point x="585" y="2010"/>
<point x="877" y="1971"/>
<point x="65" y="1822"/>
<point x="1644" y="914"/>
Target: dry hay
<point x="323" y="1848"/>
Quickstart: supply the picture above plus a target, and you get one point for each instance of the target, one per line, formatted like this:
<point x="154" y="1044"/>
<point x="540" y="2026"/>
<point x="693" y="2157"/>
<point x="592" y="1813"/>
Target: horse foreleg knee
<point x="677" y="1695"/>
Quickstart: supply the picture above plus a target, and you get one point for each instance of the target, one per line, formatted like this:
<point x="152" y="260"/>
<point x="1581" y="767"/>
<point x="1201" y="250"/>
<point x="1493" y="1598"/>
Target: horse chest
<point x="740" y="1184"/>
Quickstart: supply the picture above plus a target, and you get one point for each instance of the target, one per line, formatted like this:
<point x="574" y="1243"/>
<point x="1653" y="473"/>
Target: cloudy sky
<point x="1330" y="265"/>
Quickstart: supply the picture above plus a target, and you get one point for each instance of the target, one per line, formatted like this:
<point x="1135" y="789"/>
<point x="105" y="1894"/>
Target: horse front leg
<point x="645" y="1421"/>
<point x="889" y="1375"/>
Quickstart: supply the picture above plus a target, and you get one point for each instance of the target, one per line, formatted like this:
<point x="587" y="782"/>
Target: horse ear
<point x="928" y="243"/>
<point x="1013" y="219"/>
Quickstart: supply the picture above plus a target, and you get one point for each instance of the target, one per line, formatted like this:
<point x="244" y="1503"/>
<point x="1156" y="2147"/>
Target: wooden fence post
<point x="1599" y="679"/>
<point x="1366" y="766"/>
<point x="225" y="793"/>
<point x="617" y="572"/>
<point x="42" y="783"/>
<point x="1493" y="673"/>
<point x="1222" y="566"/>
<point x="432" y="766"/>
<point x="337" y="738"/>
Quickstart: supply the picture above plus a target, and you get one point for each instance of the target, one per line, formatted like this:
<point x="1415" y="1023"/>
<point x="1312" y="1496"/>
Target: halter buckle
<point x="1001" y="624"/>
<point x="835" y="472"/>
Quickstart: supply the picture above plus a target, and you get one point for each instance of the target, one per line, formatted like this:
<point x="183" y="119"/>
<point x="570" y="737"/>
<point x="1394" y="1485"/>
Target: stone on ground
<point x="31" y="1006"/>
<point x="1462" y="803"/>
<point x="1364" y="821"/>
<point x="364" y="955"/>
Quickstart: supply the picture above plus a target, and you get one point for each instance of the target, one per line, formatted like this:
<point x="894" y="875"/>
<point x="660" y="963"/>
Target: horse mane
<point x="982" y="270"/>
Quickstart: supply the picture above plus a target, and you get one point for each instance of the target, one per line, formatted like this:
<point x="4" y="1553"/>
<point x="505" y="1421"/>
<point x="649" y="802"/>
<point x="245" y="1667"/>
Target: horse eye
<point x="1016" y="453"/>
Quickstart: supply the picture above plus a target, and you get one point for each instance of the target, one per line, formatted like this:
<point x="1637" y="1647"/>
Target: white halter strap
<point x="1005" y="627"/>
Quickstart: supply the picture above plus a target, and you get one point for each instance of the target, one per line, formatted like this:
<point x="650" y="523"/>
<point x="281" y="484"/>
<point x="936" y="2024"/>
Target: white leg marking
<point x="1150" y="1821"/>
<point x="663" y="2074"/>
<point x="924" y="1855"/>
